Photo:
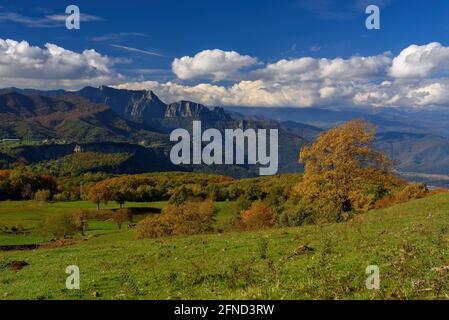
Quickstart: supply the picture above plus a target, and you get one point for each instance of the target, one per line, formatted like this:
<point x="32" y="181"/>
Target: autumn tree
<point x="343" y="173"/>
<point x="119" y="196"/>
<point x="81" y="220"/>
<point x="98" y="194"/>
<point x="121" y="216"/>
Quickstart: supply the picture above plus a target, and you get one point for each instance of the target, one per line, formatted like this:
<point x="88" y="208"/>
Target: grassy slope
<point x="405" y="241"/>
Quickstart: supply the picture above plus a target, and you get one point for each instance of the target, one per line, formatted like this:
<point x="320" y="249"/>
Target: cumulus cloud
<point x="306" y="69"/>
<point x="420" y="61"/>
<point x="248" y="93"/>
<point x="414" y="78"/>
<point x="216" y="64"/>
<point x="428" y="92"/>
<point x="51" y="66"/>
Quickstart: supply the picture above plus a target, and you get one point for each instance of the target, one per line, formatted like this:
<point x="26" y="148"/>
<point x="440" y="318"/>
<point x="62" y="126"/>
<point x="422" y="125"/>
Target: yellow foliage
<point x="342" y="171"/>
<point x="258" y="216"/>
<point x="187" y="218"/>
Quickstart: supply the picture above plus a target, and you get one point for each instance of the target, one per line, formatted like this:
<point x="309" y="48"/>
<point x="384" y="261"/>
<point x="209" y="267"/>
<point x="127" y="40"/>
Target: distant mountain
<point x="56" y="120"/>
<point x="305" y="131"/>
<point x="145" y="106"/>
<point x="65" y="117"/>
<point x="34" y="91"/>
<point x="105" y="115"/>
<point x="386" y="119"/>
<point x="188" y="109"/>
<point x="422" y="153"/>
<point x="133" y="105"/>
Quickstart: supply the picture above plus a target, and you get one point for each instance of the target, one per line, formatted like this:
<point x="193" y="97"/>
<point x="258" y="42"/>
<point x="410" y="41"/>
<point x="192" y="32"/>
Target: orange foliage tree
<point x="343" y="173"/>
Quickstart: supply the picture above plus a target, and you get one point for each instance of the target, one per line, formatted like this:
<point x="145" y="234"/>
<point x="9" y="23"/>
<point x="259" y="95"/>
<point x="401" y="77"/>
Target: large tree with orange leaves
<point x="343" y="173"/>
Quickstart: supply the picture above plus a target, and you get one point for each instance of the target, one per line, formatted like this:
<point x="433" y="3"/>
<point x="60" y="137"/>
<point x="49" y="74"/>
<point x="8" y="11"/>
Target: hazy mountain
<point x="386" y="119"/>
<point x="416" y="152"/>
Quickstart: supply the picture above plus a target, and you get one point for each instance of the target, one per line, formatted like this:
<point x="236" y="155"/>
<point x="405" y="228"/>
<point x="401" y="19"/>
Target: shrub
<point x="62" y="197"/>
<point x="180" y="195"/>
<point x="14" y="229"/>
<point x="188" y="218"/>
<point x="258" y="216"/>
<point x="42" y="195"/>
<point x="412" y="191"/>
<point x="294" y="216"/>
<point x="409" y="192"/>
<point x="57" y="226"/>
<point x="155" y="227"/>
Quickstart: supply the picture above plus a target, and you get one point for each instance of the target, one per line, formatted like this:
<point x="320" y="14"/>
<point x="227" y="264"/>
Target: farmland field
<point x="408" y="242"/>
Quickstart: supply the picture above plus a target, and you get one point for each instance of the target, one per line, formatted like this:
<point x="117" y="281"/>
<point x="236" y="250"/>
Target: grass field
<point x="27" y="215"/>
<point x="409" y="243"/>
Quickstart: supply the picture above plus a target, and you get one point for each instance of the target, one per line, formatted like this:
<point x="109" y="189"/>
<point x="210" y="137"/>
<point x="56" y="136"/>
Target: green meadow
<point x="408" y="242"/>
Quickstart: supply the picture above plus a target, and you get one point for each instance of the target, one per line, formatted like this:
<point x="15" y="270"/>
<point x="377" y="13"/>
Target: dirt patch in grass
<point x="48" y="245"/>
<point x="17" y="265"/>
<point x="59" y="243"/>
<point x="19" y="247"/>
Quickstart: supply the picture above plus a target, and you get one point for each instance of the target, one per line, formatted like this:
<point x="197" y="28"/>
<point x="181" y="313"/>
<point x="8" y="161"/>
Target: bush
<point x="188" y="218"/>
<point x="42" y="195"/>
<point x="62" y="197"/>
<point x="180" y="195"/>
<point x="258" y="216"/>
<point x="409" y="192"/>
<point x="58" y="226"/>
<point x="14" y="229"/>
<point x="412" y="191"/>
<point x="294" y="216"/>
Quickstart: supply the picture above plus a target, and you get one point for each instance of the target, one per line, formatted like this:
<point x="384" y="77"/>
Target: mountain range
<point x="108" y="116"/>
<point x="139" y="122"/>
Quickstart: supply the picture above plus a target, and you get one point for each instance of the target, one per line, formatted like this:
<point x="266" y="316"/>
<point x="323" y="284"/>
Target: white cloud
<point x="51" y="66"/>
<point x="417" y="77"/>
<point x="247" y="93"/>
<point x="399" y="93"/>
<point x="216" y="64"/>
<point x="420" y="61"/>
<point x="302" y="82"/>
<point x="376" y="81"/>
<point x="311" y="69"/>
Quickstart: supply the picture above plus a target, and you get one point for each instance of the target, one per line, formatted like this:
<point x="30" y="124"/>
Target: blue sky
<point x="142" y="39"/>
